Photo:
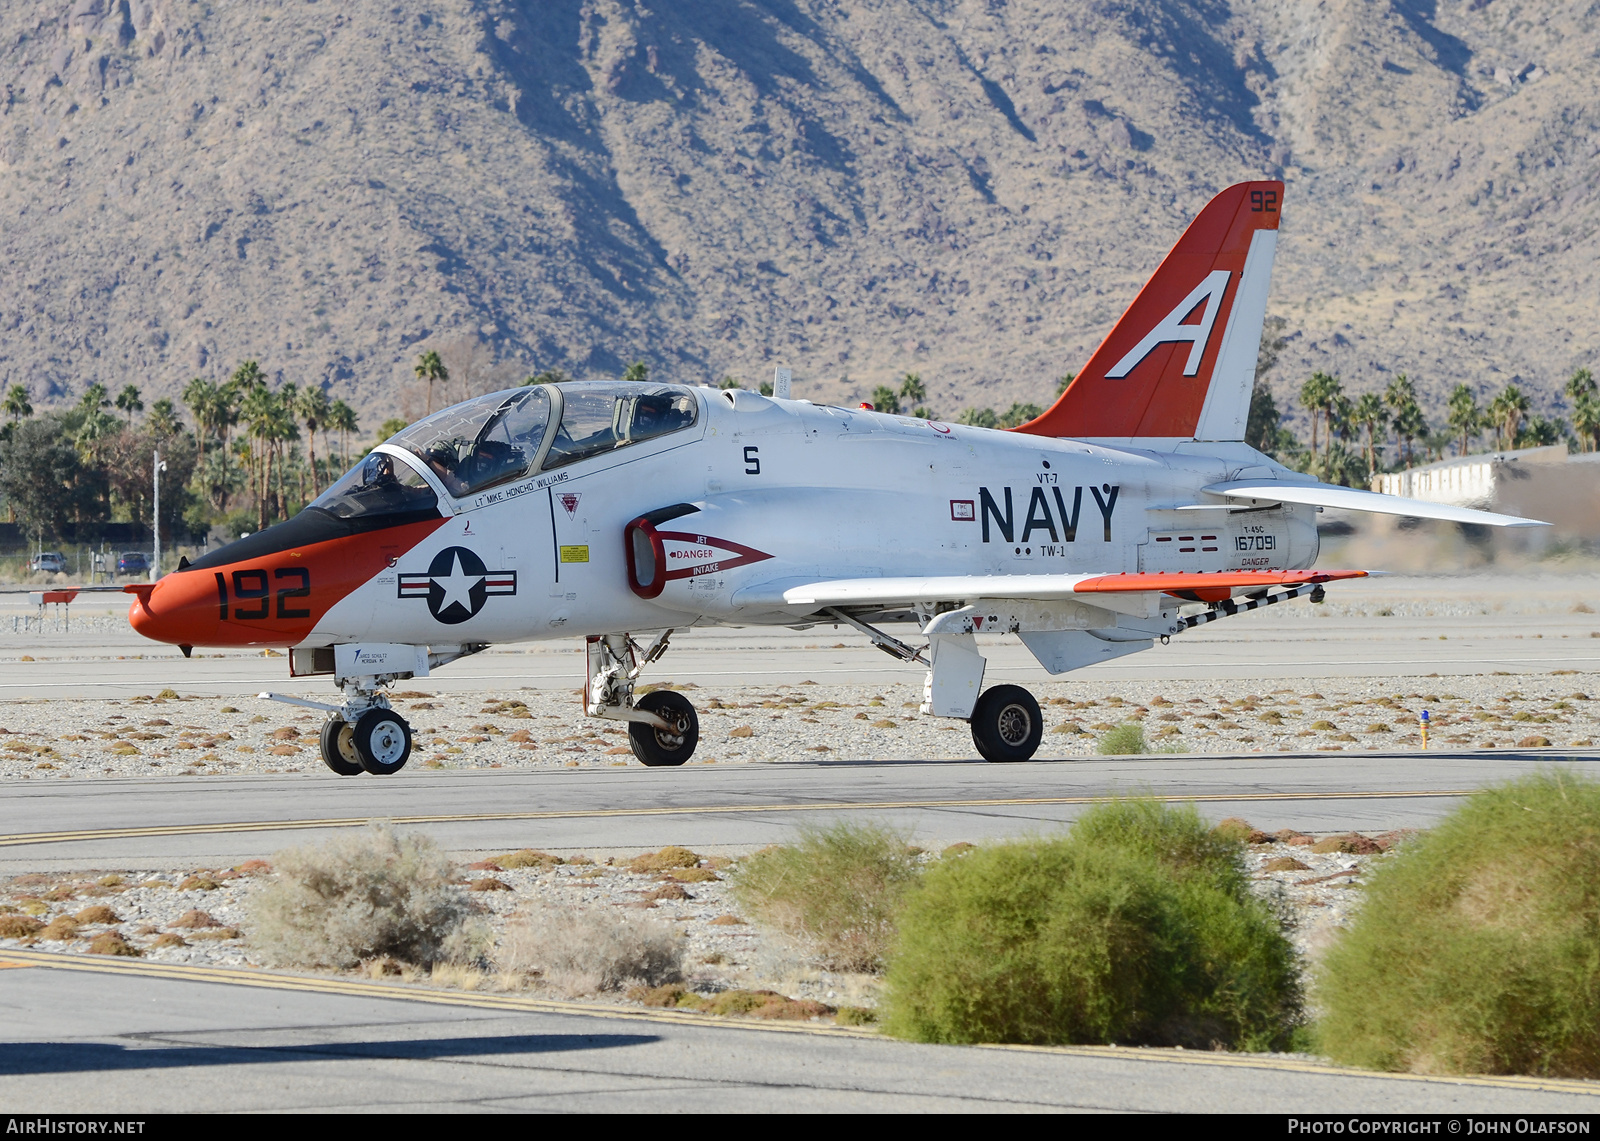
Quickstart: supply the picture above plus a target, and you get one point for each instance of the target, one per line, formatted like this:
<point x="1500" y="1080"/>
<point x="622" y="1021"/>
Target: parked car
<point x="132" y="562"/>
<point x="50" y="562"/>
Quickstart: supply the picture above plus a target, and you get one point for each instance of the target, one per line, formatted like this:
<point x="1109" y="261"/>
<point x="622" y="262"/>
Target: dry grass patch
<point x="670" y="858"/>
<point x="170" y="939"/>
<point x="99" y="913"/>
<point x="526" y="858"/>
<point x="19" y="926"/>
<point x="112" y="943"/>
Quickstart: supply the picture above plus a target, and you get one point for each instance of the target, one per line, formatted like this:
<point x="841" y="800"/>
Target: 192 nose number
<point x="252" y="586"/>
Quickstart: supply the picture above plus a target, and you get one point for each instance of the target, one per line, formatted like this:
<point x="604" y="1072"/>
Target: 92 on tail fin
<point x="1180" y="364"/>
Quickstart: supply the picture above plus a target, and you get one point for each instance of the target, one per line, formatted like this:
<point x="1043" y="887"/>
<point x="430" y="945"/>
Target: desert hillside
<point x="970" y="189"/>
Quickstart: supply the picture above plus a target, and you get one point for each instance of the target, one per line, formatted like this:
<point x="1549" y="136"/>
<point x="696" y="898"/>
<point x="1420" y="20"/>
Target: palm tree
<point x="912" y="389"/>
<point x="1508" y="409"/>
<point x="1465" y="415"/>
<point x="636" y="372"/>
<point x="312" y="408"/>
<point x="1318" y="395"/>
<point x="1580" y="385"/>
<point x="17" y="405"/>
<point x="884" y="399"/>
<point x="1409" y="425"/>
<point x="163" y="419"/>
<point x="128" y="401"/>
<point x="430" y="368"/>
<point x="1369" y="413"/>
<point x="342" y="419"/>
<point x="1586" y="421"/>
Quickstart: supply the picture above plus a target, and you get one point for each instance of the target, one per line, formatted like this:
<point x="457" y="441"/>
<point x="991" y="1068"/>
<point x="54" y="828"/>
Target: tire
<point x="1006" y="724"/>
<point x="382" y="740"/>
<point x="656" y="747"/>
<point x="338" y="751"/>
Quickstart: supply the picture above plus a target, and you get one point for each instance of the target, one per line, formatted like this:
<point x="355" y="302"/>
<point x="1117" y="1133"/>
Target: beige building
<point x="1535" y="483"/>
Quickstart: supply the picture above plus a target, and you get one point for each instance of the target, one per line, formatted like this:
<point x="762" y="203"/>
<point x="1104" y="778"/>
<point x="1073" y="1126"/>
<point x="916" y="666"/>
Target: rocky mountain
<point x="969" y="189"/>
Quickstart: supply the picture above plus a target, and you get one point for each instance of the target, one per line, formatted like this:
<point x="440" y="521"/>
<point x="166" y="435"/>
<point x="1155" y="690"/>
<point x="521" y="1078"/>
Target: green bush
<point x="1477" y="949"/>
<point x="1124" y="740"/>
<point x="1138" y="927"/>
<point x="837" y="888"/>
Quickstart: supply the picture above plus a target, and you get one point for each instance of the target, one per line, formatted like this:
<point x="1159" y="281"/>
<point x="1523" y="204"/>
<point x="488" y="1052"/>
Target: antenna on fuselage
<point x="780" y="383"/>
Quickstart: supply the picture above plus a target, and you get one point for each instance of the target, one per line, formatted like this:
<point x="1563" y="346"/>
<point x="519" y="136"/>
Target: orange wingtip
<point x="142" y="589"/>
<point x="1171" y="582"/>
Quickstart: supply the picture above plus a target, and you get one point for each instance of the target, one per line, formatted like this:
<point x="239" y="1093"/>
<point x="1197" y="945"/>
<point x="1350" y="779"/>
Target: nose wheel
<point x="1007" y="724"/>
<point x="338" y="748"/>
<point x="379" y="743"/>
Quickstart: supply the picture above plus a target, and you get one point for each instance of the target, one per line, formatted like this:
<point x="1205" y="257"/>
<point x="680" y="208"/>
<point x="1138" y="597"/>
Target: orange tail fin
<point x="1181" y="362"/>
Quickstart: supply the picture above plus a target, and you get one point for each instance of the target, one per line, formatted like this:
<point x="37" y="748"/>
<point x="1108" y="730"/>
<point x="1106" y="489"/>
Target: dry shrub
<point x="669" y="858"/>
<point x="1475" y="951"/>
<point x="1138" y="927"/>
<point x="583" y="951"/>
<point x="199" y="883"/>
<point x="489" y="883"/>
<point x="195" y="918"/>
<point x="60" y="929"/>
<point x="694" y="875"/>
<point x="767" y="1004"/>
<point x="373" y="894"/>
<point x="19" y="926"/>
<point x="99" y="913"/>
<point x="112" y="943"/>
<point x="170" y="939"/>
<point x="526" y="858"/>
<point x="836" y="888"/>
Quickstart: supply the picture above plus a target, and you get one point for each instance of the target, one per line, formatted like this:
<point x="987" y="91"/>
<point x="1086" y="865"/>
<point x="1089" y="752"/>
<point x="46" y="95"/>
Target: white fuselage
<point x="806" y="492"/>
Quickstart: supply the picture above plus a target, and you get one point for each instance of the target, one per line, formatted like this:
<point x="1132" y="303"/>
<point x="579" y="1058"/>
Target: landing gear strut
<point x="663" y="729"/>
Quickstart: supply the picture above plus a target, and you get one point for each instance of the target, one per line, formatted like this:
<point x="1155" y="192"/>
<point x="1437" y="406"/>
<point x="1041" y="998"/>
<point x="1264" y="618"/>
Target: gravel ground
<point x="200" y="915"/>
<point x="168" y="734"/>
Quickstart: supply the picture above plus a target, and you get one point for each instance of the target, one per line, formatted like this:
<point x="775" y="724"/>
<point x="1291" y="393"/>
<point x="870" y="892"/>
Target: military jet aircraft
<point x="1130" y="512"/>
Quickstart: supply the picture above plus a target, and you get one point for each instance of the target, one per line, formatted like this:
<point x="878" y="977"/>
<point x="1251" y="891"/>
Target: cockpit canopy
<point x="492" y="439"/>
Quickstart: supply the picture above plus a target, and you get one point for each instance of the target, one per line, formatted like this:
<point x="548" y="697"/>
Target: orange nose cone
<point x="181" y="609"/>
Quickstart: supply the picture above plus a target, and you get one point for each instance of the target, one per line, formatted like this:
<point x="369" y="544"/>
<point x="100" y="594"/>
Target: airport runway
<point x="129" y="1038"/>
<point x="155" y="822"/>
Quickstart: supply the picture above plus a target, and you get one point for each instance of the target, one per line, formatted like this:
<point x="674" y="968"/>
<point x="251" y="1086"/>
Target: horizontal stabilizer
<point x="1353" y="499"/>
<point x="962" y="588"/>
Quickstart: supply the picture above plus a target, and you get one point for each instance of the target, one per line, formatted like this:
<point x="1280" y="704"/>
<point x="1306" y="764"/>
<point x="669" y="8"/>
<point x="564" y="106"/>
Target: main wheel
<point x="1006" y="724"/>
<point x="338" y="749"/>
<point x="382" y="740"/>
<point x="658" y="747"/>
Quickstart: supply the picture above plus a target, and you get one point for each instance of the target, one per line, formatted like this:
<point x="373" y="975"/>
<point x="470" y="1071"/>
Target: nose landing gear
<point x="363" y="734"/>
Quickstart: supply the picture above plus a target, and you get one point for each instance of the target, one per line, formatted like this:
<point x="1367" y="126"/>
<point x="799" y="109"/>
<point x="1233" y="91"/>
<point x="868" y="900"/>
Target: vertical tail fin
<point x="1181" y="362"/>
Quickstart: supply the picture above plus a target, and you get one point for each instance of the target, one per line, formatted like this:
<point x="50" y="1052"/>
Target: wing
<point x="1209" y="587"/>
<point x="1262" y="492"/>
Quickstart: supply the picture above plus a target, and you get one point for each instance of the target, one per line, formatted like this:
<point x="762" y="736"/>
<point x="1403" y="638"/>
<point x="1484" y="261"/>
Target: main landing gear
<point x="1005" y="719"/>
<point x="663" y="728"/>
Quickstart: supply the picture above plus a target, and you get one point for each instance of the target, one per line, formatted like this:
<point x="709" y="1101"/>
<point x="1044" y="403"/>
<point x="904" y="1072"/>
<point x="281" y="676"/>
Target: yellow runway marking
<point x="694" y="810"/>
<point x="355" y="988"/>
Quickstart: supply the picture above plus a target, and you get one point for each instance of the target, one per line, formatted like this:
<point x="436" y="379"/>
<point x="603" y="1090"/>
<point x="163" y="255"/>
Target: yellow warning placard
<point x="575" y="554"/>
